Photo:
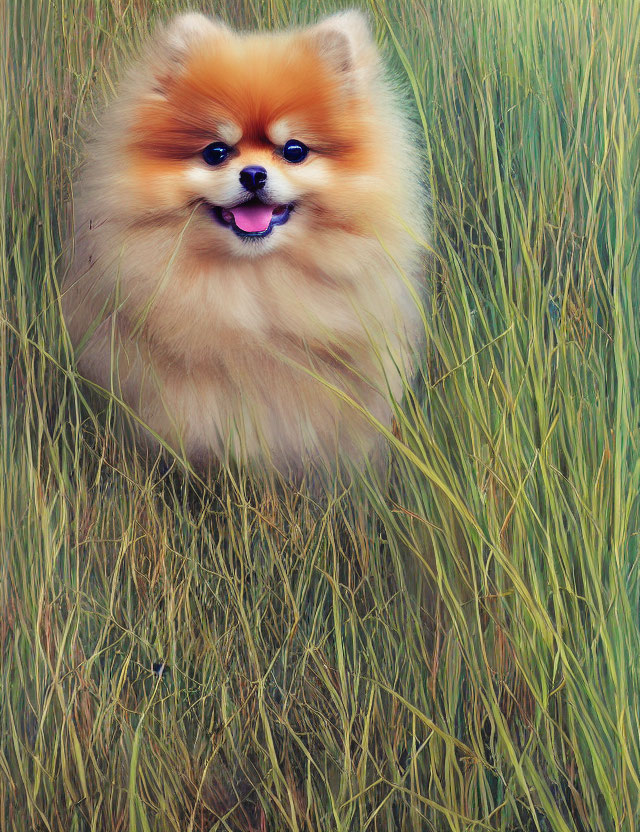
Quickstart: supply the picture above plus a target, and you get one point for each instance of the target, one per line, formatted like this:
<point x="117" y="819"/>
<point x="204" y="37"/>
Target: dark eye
<point x="216" y="153"/>
<point x="294" y="151"/>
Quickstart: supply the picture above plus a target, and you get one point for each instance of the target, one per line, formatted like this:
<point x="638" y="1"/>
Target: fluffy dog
<point x="248" y="239"/>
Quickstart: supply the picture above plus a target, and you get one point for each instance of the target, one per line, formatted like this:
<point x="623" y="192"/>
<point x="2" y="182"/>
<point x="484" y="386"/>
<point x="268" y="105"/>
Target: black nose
<point x="253" y="177"/>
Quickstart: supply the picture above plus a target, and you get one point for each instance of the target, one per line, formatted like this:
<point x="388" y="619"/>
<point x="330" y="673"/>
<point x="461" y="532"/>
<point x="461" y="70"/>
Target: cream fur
<point x="214" y="341"/>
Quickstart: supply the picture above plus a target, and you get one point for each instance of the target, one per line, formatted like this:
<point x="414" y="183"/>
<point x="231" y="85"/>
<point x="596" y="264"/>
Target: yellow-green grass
<point x="454" y="649"/>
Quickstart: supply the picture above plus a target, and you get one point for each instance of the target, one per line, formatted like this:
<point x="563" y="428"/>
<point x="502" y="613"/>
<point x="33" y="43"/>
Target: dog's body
<point x="244" y="301"/>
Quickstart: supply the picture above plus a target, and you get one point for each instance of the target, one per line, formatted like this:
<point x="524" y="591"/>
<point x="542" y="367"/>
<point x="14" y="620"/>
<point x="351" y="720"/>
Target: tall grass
<point x="454" y="649"/>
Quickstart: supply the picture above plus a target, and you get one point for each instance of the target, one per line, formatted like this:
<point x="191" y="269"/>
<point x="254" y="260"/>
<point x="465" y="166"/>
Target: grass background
<point x="453" y="649"/>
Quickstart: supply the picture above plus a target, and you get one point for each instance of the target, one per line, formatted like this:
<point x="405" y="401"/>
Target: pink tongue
<point x="253" y="217"/>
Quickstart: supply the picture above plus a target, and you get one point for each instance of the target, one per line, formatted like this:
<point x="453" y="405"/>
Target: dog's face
<point x="255" y="141"/>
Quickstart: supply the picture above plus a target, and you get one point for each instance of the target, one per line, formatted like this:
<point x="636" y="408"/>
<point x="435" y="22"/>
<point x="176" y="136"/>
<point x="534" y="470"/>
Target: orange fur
<point x="228" y="347"/>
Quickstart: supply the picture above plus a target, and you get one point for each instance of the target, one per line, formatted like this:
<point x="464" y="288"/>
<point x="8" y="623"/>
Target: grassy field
<point x="456" y="648"/>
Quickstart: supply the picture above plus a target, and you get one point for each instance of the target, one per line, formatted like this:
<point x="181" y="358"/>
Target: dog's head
<point x="256" y="141"/>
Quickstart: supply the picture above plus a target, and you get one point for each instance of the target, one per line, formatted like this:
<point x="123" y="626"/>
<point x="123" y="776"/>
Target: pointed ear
<point x="346" y="42"/>
<point x="171" y="43"/>
<point x="173" y="40"/>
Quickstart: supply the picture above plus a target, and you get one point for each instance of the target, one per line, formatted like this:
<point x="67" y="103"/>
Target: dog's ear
<point x="171" y="43"/>
<point x="185" y="30"/>
<point x="346" y="42"/>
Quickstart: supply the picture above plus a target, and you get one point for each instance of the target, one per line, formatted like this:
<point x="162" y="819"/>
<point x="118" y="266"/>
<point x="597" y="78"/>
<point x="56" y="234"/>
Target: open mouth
<point x="253" y="218"/>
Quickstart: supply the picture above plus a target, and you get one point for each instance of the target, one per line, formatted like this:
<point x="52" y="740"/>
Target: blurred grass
<point x="312" y="683"/>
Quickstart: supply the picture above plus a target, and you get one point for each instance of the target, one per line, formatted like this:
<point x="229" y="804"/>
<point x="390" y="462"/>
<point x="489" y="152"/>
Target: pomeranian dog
<point x="249" y="225"/>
